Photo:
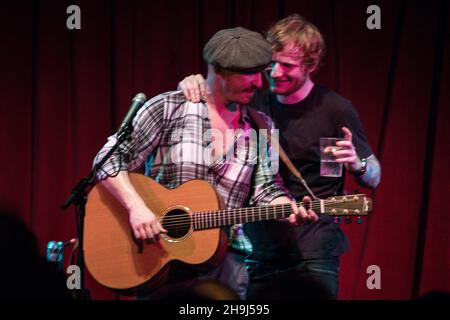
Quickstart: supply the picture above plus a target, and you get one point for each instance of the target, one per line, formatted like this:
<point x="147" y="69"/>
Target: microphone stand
<point x="78" y="197"/>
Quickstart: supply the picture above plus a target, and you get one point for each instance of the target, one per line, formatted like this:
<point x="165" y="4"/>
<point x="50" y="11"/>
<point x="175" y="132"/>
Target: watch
<point x="363" y="168"/>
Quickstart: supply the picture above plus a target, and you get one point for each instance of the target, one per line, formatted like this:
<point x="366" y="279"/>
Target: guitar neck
<point x="349" y="205"/>
<point x="228" y="217"/>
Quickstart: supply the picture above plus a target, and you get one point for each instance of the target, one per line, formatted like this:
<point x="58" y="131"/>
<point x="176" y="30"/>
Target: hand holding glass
<point x="328" y="165"/>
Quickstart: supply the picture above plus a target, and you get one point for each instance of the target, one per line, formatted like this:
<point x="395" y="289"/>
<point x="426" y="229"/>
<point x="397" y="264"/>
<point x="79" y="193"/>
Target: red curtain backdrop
<point x="63" y="92"/>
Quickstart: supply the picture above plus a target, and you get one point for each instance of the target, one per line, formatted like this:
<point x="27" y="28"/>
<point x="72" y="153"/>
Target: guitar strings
<point x="234" y="214"/>
<point x="229" y="212"/>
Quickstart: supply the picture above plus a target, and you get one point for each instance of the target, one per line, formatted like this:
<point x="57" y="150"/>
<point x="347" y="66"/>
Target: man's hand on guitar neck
<point x="299" y="215"/>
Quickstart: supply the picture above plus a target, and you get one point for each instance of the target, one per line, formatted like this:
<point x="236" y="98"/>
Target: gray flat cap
<point x="238" y="50"/>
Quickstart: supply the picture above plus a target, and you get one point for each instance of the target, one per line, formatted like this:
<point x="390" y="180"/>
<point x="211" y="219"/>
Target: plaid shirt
<point x="171" y="143"/>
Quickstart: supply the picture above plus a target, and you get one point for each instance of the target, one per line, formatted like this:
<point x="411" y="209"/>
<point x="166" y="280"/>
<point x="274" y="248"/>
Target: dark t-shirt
<point x="321" y="114"/>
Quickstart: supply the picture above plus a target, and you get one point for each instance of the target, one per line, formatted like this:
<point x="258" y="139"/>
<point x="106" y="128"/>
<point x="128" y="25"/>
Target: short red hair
<point x="303" y="34"/>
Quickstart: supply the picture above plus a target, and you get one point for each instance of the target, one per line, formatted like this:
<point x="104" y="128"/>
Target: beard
<point x="242" y="96"/>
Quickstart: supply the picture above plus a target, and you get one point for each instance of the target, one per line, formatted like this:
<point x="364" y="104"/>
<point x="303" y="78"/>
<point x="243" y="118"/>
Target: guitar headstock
<point x="349" y="205"/>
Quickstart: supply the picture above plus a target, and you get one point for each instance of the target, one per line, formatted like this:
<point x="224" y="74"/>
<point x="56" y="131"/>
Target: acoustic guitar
<point x="192" y="214"/>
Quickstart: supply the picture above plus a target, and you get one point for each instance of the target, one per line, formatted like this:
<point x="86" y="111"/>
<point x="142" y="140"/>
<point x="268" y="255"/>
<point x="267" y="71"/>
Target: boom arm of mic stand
<point x="77" y="192"/>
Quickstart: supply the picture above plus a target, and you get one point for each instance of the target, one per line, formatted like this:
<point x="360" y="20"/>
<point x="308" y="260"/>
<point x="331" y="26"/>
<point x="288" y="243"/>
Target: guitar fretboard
<point x="228" y="217"/>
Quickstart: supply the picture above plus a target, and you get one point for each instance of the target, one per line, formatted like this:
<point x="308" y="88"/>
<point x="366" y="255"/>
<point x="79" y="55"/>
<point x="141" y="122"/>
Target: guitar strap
<point x="259" y="121"/>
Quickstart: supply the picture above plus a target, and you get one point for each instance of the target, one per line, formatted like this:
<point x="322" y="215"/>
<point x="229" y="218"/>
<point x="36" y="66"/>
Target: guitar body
<point x="117" y="261"/>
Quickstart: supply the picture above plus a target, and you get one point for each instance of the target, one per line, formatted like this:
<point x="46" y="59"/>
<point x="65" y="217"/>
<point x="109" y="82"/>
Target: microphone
<point x="136" y="104"/>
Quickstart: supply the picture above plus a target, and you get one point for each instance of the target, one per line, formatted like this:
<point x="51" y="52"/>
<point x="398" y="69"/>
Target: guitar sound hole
<point x="177" y="223"/>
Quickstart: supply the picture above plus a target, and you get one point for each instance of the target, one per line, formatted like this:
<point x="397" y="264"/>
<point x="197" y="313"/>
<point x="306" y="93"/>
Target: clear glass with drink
<point x="328" y="165"/>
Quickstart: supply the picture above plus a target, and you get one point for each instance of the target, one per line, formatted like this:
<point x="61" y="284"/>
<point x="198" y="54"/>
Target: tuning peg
<point x="359" y="220"/>
<point x="337" y="220"/>
<point x="348" y="220"/>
